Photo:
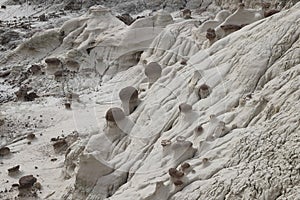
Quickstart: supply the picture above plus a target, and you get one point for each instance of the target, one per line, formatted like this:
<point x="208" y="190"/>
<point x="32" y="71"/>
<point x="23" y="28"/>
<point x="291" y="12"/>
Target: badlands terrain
<point x="150" y="100"/>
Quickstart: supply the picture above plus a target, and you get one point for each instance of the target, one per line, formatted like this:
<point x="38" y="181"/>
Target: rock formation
<point x="236" y="135"/>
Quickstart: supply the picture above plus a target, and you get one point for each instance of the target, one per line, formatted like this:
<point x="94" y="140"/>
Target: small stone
<point x="183" y="62"/>
<point x="186" y="13"/>
<point x="37" y="185"/>
<point x="173" y="172"/>
<point x="60" y="145"/>
<point x="205" y="160"/>
<point x="199" y="129"/>
<point x="14" y="169"/>
<point x="185" y="165"/>
<point x="30" y="136"/>
<point x="4" y="151"/>
<point x="54" y="139"/>
<point x="165" y="143"/>
<point x="27" y="181"/>
<point x="29" y="143"/>
<point x="68" y="106"/>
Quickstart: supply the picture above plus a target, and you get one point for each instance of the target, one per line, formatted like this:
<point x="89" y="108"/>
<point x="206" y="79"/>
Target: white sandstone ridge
<point x="223" y="125"/>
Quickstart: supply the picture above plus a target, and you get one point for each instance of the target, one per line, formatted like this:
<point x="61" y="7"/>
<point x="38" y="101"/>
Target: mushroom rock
<point x="114" y="115"/>
<point x="53" y="65"/>
<point x="27" y="181"/>
<point x="153" y="72"/>
<point x="205" y="162"/>
<point x="115" y="128"/>
<point x="31" y="136"/>
<point x="185" y="167"/>
<point x="198" y="130"/>
<point x="72" y="65"/>
<point x="188" y="115"/>
<point x="4" y="151"/>
<point x="204" y="91"/>
<point x="177" y="177"/>
<point x="174" y="173"/>
<point x="211" y="34"/>
<point x="129" y="98"/>
<point x="186" y="14"/>
<point x="25" y="185"/>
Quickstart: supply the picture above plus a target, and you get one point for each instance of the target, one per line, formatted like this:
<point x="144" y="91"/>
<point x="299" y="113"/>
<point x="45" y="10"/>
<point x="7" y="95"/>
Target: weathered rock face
<point x="220" y="121"/>
<point x="223" y="157"/>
